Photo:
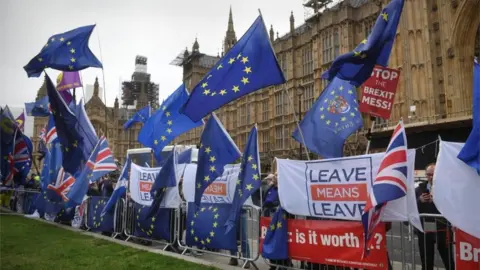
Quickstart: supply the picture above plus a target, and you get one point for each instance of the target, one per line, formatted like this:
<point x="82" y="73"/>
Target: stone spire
<point x="272" y="34"/>
<point x="196" y="47"/>
<point x="292" y="23"/>
<point x="230" y="37"/>
<point x="96" y="87"/>
<point x="116" y="105"/>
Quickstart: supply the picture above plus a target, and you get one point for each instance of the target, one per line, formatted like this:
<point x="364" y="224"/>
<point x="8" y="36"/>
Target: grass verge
<point x="29" y="244"/>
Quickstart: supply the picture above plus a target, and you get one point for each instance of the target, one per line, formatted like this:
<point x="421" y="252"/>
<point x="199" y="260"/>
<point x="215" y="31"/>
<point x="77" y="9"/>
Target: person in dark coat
<point x="437" y="230"/>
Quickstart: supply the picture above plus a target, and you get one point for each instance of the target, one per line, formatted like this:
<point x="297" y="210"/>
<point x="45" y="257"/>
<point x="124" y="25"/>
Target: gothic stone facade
<point x="434" y="50"/>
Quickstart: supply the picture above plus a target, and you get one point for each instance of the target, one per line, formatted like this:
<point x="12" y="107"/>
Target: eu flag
<point x="357" y="66"/>
<point x="205" y="226"/>
<point x="333" y="117"/>
<point x="166" y="178"/>
<point x="66" y="124"/>
<point x="248" y="66"/>
<point x="156" y="227"/>
<point x="185" y="157"/>
<point x="95" y="220"/>
<point x="140" y="116"/>
<point x="38" y="108"/>
<point x="67" y="51"/>
<point x="249" y="179"/>
<point x="85" y="129"/>
<point x="120" y="188"/>
<point x="217" y="149"/>
<point x="167" y="123"/>
<point x="275" y="244"/>
<point x="470" y="153"/>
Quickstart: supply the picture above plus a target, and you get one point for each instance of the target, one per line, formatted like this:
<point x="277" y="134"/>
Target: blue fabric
<point x="332" y="119"/>
<point x="470" y="153"/>
<point x="217" y="149"/>
<point x="167" y="123"/>
<point x="357" y="66"/>
<point x="67" y="51"/>
<point x="249" y="180"/>
<point x="248" y="66"/>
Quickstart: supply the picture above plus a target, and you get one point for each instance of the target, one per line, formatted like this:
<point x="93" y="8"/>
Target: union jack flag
<point x="104" y="162"/>
<point x="51" y="130"/>
<point x="390" y="183"/>
<point x="63" y="184"/>
<point x="19" y="158"/>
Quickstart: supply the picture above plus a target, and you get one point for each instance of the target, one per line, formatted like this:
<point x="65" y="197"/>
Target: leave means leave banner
<point x="338" y="188"/>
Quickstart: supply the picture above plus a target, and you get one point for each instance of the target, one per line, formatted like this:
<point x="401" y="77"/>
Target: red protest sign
<point x="467" y="250"/>
<point x="332" y="243"/>
<point x="378" y="92"/>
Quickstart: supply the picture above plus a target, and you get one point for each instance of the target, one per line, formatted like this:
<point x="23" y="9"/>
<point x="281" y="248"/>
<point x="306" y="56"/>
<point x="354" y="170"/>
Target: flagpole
<point x="103" y="79"/>
<point x="289" y="99"/>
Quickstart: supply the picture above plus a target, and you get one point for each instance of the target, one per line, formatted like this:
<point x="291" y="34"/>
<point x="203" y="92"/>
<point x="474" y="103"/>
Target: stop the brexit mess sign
<point x="378" y="92"/>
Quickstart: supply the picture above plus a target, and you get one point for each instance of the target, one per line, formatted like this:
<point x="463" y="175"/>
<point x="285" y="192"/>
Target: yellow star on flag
<point x="219" y="67"/>
<point x="206" y="178"/>
<point x="231" y="61"/>
<point x="72" y="50"/>
<point x="169" y="130"/>
<point x="163" y="138"/>
<point x="250" y="158"/>
<point x="385" y="16"/>
<point x="247" y="70"/>
<point x="167" y="114"/>
<point x="212" y="159"/>
<point x="206" y="92"/>
<point x="223" y="92"/>
<point x="236" y="88"/>
<point x="208" y="150"/>
<point x="212" y="168"/>
<point x="169" y="122"/>
<point x="205" y="84"/>
<point x="255" y="177"/>
<point x="72" y="60"/>
<point x="249" y="187"/>
<point x="245" y="80"/>
<point x="254" y="166"/>
<point x="62" y="39"/>
<point x="244" y="60"/>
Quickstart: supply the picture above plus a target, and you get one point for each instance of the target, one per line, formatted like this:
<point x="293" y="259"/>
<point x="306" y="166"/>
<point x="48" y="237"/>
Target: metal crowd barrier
<point x="407" y="247"/>
<point x="130" y="220"/>
<point x="247" y="245"/>
<point x="18" y="201"/>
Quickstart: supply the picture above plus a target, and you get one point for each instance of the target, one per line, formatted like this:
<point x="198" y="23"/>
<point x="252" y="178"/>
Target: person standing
<point x="436" y="230"/>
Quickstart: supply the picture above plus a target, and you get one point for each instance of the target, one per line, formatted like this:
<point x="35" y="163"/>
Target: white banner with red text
<point x="338" y="188"/>
<point x="141" y="181"/>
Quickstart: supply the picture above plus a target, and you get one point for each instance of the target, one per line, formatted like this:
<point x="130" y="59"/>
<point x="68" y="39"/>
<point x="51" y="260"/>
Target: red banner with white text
<point x="378" y="92"/>
<point x="467" y="250"/>
<point x="332" y="243"/>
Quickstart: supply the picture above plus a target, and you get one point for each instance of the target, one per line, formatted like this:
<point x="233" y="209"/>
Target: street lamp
<point x="299" y="93"/>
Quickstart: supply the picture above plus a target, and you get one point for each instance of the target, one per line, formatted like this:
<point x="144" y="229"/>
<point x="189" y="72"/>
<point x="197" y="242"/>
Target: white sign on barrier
<point x="338" y="188"/>
<point x="141" y="181"/>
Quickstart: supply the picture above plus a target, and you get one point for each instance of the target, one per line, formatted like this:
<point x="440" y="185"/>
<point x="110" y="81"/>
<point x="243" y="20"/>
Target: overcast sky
<point x="157" y="29"/>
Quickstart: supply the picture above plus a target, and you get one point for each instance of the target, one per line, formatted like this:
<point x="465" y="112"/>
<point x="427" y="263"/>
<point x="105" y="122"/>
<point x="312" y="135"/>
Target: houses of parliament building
<point x="434" y="50"/>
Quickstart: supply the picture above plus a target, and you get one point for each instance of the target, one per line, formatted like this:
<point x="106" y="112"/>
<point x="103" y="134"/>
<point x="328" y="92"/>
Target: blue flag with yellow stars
<point x="470" y="153"/>
<point x="248" y="66"/>
<point x="249" y="179"/>
<point x="95" y="220"/>
<point x="141" y="116"/>
<point x="205" y="226"/>
<point x="156" y="227"/>
<point x="167" y="123"/>
<point x="166" y="178"/>
<point x="217" y="149"/>
<point x="275" y="244"/>
<point x="333" y="117"/>
<point x="38" y="108"/>
<point x="67" y="51"/>
<point x="66" y="125"/>
<point x="357" y="66"/>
